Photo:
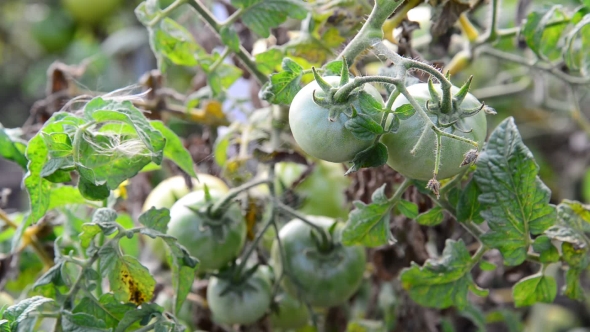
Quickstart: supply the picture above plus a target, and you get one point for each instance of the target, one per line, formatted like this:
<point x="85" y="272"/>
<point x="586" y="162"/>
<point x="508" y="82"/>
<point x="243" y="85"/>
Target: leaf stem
<point x="233" y="18"/>
<point x="220" y="60"/>
<point x="165" y="12"/>
<point x="254" y="243"/>
<point x="242" y="54"/>
<point x="576" y="80"/>
<point x="400" y="191"/>
<point x="285" y="208"/>
<point x="216" y="209"/>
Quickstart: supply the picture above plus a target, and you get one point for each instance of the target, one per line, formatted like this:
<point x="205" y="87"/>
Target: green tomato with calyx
<point x="291" y="313"/>
<point x="420" y="165"/>
<point x="243" y="303"/>
<point x="322" y="277"/>
<point x="214" y="241"/>
<point x="316" y="134"/>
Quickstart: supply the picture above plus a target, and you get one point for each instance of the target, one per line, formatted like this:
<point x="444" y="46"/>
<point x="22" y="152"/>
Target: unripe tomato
<point x="215" y="242"/>
<point x="421" y="165"/>
<point x="244" y="303"/>
<point x="90" y="11"/>
<point x="291" y="315"/>
<point x="319" y="137"/>
<point x="324" y="279"/>
<point x="167" y="192"/>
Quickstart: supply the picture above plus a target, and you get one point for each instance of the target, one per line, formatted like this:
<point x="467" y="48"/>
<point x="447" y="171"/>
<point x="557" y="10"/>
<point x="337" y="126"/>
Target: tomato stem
<point x="326" y="241"/>
<point x="216" y="210"/>
<point x="342" y="94"/>
<point x="165" y="12"/>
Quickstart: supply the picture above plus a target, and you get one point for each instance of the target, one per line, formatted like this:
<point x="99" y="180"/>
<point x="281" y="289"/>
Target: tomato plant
<point x="241" y="303"/>
<point x="318" y="131"/>
<point x="347" y="180"/>
<point x="215" y="241"/>
<point x="324" y="277"/>
<point x="417" y="161"/>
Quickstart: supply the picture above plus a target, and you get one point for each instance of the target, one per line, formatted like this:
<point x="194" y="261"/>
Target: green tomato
<point x="55" y="31"/>
<point x="167" y="192"/>
<point x="90" y="11"/>
<point x="291" y="314"/>
<point x="319" y="137"/>
<point x="215" y="242"/>
<point x="324" y="279"/>
<point x="243" y="303"/>
<point x="421" y="165"/>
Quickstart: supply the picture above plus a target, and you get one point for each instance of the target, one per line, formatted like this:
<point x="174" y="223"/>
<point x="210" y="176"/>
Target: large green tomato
<point x="291" y="315"/>
<point x="90" y="11"/>
<point x="319" y="137"/>
<point x="167" y="192"/>
<point x="55" y="31"/>
<point x="215" y="242"/>
<point x="325" y="279"/>
<point x="244" y="303"/>
<point x="421" y="165"/>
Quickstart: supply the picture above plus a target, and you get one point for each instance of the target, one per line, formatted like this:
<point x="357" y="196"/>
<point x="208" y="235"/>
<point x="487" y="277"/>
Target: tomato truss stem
<point x="217" y="208"/>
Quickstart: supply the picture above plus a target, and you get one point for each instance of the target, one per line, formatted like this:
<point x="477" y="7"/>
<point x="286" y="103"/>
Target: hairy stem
<point x="371" y="32"/>
<point x="166" y="12"/>
<point x="242" y="54"/>
<point x="217" y="208"/>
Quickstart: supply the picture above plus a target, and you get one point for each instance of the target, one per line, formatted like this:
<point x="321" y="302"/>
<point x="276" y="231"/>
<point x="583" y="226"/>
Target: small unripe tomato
<point x="322" y="278"/>
<point x="316" y="134"/>
<point x="214" y="242"/>
<point x="243" y="303"/>
<point x="90" y="11"/>
<point x="291" y="315"/>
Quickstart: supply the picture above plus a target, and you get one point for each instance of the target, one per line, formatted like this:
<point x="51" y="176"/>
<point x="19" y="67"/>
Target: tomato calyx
<point x="327" y="97"/>
<point x="238" y="280"/>
<point x="325" y="243"/>
<point x="451" y="117"/>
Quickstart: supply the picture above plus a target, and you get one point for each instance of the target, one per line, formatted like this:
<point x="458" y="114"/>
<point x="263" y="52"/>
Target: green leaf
<point x="182" y="281"/>
<point x="108" y="309"/>
<point x="174" y="149"/>
<point x="174" y="42"/>
<point x="469" y="208"/>
<point x="368" y="225"/>
<point x="142" y="315"/>
<point x="515" y="202"/>
<point x="156" y="219"/>
<point x="19" y="312"/>
<point x="408" y="209"/>
<point x="101" y="110"/>
<point x="476" y="316"/>
<point x="282" y="87"/>
<point x="52" y="276"/>
<point x="268" y="61"/>
<point x="38" y="188"/>
<point x="487" y="266"/>
<point x="92" y="192"/>
<point x="431" y="217"/>
<point x="443" y="282"/>
<point x="131" y="281"/>
<point x="82" y="322"/>
<point x="63" y="196"/>
<point x="533" y="289"/>
<point x="404" y="112"/>
<point x="262" y="15"/>
<point x="146" y="11"/>
<point x="182" y="255"/>
<point x="12" y="148"/>
<point x="548" y="252"/>
<point x="365" y="325"/>
<point x="374" y="156"/>
<point x="541" y="37"/>
<point x="363" y="127"/>
<point x="577" y="44"/>
<point x="369" y="105"/>
<point x="59" y="145"/>
<point x="230" y="38"/>
<point x="573" y="222"/>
